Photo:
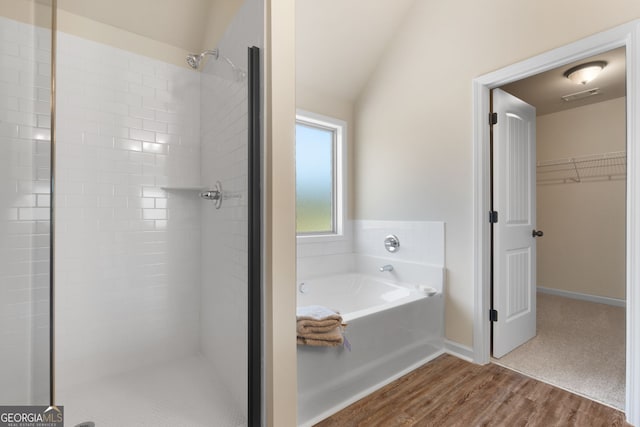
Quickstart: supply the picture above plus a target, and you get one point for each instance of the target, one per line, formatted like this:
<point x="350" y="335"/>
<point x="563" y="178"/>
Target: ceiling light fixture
<point x="584" y="73"/>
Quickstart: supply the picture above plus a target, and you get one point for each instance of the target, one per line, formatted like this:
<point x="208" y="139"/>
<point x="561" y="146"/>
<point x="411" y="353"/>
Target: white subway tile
<point x="154" y="214"/>
<point x="44" y="69"/>
<point x="142" y="135"/>
<point x="9" y="214"/>
<point x="127" y="190"/>
<point x="130" y="122"/>
<point x="116" y="131"/>
<point x="9" y="130"/>
<point x="130" y="99"/>
<point x="153" y="192"/>
<point x="112" y="201"/>
<point x="10" y="103"/>
<point x="128" y="144"/>
<point x="163" y="138"/>
<point x="140" y="180"/>
<point x="154" y="126"/>
<point x="154" y="82"/>
<point x="140" y="112"/>
<point x="154" y="104"/>
<point x="42" y="121"/>
<point x="144" y="202"/>
<point x="31" y="214"/>
<point x="98" y="140"/>
<point x="161" y="181"/>
<point x="151" y="147"/>
<point x="144" y="91"/>
<point x="127" y="213"/>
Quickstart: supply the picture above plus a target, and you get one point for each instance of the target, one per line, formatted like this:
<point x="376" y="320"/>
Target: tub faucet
<point x="387" y="267"/>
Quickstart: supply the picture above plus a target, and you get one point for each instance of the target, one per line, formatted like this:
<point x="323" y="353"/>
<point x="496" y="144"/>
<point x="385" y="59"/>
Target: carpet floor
<point x="580" y="346"/>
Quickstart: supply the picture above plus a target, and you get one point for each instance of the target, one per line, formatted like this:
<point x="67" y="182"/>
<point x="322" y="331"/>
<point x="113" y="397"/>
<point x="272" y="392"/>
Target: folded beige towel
<point x="315" y="319"/>
<point x="309" y="326"/>
<point x="332" y="338"/>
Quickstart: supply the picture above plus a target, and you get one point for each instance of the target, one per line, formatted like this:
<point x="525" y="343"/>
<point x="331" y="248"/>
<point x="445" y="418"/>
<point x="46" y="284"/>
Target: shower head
<point x="193" y="59"/>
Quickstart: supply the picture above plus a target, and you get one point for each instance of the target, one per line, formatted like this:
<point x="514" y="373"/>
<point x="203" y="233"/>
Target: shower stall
<point x="130" y="227"/>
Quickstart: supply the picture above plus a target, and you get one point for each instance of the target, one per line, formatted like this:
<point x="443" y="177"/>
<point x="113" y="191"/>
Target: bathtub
<point x="392" y="329"/>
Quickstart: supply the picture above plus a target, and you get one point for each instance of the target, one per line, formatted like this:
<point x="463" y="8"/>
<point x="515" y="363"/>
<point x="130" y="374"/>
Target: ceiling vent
<point x="581" y="95"/>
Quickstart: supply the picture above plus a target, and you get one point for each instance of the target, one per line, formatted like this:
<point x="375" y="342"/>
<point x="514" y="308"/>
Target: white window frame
<point x="339" y="177"/>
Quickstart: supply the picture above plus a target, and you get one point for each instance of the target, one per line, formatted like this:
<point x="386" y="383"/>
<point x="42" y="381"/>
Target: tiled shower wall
<point x="136" y="283"/>
<point x="24" y="212"/>
<point x="224" y="244"/>
<point x="127" y="251"/>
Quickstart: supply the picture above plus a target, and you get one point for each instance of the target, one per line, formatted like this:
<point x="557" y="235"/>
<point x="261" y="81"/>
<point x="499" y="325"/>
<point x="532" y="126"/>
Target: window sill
<point x="318" y="238"/>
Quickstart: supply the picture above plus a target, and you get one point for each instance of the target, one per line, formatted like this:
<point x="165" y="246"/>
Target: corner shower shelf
<point x="184" y="188"/>
<point x="599" y="167"/>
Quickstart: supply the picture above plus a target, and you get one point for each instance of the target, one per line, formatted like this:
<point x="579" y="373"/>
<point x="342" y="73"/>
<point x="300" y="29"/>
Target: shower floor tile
<point x="183" y="393"/>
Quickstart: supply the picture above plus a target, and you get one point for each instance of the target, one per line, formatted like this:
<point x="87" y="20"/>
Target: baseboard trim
<point x="458" y="350"/>
<point x="584" y="297"/>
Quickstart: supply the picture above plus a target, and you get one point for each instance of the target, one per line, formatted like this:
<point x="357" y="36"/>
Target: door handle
<point x="537" y="233"/>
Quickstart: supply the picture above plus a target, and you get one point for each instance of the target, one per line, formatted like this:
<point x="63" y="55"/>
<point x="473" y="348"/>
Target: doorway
<point x="627" y="35"/>
<point x="579" y="171"/>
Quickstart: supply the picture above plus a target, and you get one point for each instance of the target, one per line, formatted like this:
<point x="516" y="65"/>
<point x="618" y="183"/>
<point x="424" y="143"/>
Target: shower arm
<point x="240" y="72"/>
<point x="215" y="53"/>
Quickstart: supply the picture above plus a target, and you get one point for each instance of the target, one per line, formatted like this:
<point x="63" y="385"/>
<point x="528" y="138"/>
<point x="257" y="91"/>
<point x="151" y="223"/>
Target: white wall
<point x="414" y="118"/>
<point x="127" y="252"/>
<point x="224" y="130"/>
<point x="25" y="63"/>
<point x="583" y="249"/>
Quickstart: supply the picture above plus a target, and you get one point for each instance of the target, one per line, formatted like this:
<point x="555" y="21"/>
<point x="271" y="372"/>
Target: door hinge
<point x="493" y="118"/>
<point x="493" y="217"/>
<point x="493" y="315"/>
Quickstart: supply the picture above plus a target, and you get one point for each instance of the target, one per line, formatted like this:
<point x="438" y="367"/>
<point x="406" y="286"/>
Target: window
<point x="319" y="175"/>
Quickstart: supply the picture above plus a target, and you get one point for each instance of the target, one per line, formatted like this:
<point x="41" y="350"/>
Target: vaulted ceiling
<point x="340" y="42"/>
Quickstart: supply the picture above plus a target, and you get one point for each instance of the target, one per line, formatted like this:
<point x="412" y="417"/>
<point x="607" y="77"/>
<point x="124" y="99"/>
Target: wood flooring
<point x="451" y="392"/>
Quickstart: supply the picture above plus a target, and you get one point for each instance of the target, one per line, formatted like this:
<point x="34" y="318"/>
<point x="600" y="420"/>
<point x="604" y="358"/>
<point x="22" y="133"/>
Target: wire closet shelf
<point x="598" y="167"/>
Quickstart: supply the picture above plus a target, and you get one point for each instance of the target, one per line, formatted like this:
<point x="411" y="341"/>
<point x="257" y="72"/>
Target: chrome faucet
<point x="387" y="267"/>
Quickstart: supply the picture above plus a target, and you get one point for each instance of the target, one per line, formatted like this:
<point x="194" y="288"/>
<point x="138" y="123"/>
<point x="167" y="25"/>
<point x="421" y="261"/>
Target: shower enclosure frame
<point x="52" y="235"/>
<point x="255" y="240"/>
<point x="255" y="300"/>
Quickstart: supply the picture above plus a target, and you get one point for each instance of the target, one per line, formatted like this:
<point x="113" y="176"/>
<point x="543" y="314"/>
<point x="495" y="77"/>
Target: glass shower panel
<point x="152" y="278"/>
<point x="25" y="147"/>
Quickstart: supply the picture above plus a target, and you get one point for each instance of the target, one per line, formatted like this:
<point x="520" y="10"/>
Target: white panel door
<point x="514" y="198"/>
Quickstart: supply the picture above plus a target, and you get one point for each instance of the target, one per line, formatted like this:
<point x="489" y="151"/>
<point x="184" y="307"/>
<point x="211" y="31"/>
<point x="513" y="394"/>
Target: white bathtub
<point x="392" y="328"/>
<point x="356" y="295"/>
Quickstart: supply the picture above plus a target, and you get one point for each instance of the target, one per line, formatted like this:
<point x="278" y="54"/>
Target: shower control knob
<point x="537" y="233"/>
<point x="392" y="243"/>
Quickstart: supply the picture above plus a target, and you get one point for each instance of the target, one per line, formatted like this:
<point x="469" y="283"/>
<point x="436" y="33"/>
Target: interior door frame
<point x="627" y="35"/>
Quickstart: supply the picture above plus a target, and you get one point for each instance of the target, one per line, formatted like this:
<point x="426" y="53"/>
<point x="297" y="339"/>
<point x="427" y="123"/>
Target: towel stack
<point x="319" y="326"/>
